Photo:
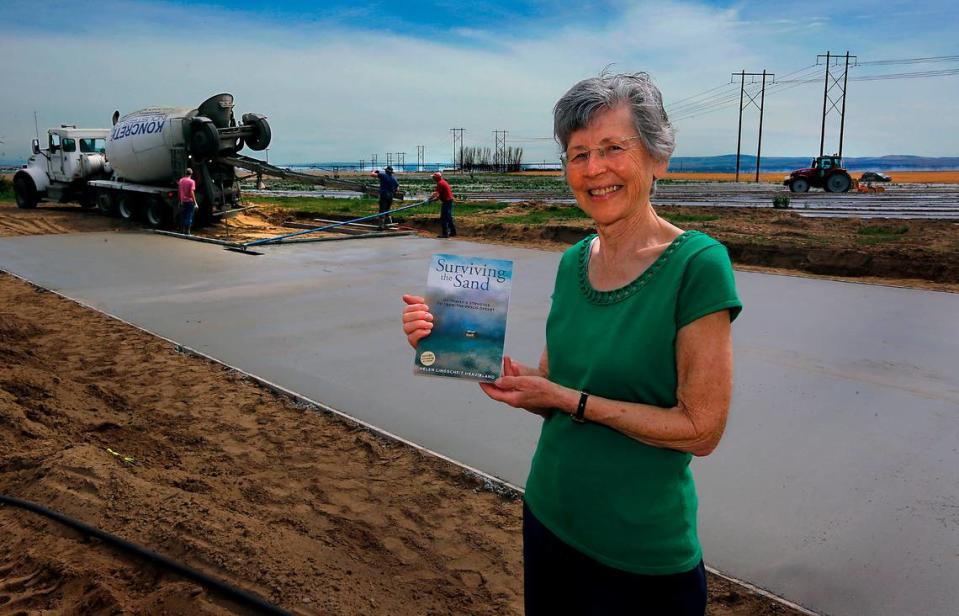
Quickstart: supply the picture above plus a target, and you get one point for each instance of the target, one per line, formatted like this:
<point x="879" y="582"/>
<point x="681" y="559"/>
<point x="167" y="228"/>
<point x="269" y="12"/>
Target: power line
<point x="729" y="99"/>
<point x="675" y="103"/>
<point x="772" y="89"/>
<point x="914" y="75"/>
<point x="722" y="98"/>
<point x="928" y="59"/>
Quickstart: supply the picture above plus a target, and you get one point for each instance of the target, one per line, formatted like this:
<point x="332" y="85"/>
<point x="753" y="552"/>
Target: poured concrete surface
<point x="835" y="485"/>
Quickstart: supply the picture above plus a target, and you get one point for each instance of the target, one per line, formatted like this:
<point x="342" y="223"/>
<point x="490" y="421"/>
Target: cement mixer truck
<point x="131" y="170"/>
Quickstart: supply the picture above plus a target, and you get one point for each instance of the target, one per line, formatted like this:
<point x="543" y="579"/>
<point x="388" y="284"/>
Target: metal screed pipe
<point x="241" y="597"/>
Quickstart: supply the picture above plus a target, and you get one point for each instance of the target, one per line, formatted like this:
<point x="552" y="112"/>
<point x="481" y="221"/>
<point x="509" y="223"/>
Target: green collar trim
<point x="624" y="292"/>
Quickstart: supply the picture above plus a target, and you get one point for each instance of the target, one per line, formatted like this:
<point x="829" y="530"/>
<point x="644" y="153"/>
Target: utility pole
<point x="743" y="94"/>
<point x="739" y="131"/>
<point x="389" y="159"/>
<point x="362" y="165"/>
<point x="832" y="82"/>
<point x="420" y="157"/>
<point x="400" y="159"/>
<point x="499" y="153"/>
<point x="457" y="139"/>
<point x="825" y="95"/>
<point x="842" y="114"/>
<point x="759" y="146"/>
<point x="36" y="124"/>
<point x="373" y="159"/>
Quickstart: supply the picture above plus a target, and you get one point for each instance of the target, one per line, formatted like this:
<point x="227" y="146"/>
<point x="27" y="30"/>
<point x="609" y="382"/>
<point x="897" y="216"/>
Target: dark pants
<point x="562" y="580"/>
<point x="446" y="219"/>
<point x="186" y="215"/>
<point x="386" y="204"/>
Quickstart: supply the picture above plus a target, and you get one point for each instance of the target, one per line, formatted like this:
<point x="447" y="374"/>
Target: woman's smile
<point x="604" y="192"/>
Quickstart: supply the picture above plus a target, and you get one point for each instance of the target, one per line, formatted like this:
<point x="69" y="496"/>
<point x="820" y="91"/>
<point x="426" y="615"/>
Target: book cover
<point x="469" y="299"/>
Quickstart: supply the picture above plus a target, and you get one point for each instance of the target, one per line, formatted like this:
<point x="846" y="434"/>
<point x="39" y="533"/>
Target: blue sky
<point x="342" y="80"/>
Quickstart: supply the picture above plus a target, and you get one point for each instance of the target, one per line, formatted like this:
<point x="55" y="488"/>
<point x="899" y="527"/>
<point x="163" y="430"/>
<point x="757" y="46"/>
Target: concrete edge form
<point x="488" y="482"/>
<point x="228" y="244"/>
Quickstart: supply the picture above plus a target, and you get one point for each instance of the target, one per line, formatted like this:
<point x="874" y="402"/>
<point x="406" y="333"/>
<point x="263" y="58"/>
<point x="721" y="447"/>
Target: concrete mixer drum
<point x="219" y="108"/>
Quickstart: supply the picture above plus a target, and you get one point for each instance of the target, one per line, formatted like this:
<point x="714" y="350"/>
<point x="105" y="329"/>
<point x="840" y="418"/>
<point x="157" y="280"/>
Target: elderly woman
<point x="634" y="381"/>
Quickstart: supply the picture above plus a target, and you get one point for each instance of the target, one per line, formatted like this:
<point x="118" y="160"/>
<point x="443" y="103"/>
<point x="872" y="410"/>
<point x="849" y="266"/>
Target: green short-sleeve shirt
<point x="628" y="505"/>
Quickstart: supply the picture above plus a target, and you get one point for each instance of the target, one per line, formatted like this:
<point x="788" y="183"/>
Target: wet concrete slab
<point x="835" y="485"/>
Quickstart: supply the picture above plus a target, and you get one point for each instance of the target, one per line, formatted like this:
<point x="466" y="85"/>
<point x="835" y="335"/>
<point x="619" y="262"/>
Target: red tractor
<point x="825" y="172"/>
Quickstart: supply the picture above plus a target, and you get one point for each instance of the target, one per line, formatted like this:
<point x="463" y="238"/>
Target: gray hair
<point x="581" y="103"/>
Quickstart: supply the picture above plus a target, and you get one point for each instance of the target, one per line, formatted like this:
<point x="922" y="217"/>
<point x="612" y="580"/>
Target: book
<point x="469" y="300"/>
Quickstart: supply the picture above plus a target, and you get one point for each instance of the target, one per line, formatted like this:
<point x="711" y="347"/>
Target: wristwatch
<point x="579" y="415"/>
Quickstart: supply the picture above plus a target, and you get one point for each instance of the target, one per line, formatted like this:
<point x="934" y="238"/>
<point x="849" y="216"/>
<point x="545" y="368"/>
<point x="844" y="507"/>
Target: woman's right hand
<point x="417" y="320"/>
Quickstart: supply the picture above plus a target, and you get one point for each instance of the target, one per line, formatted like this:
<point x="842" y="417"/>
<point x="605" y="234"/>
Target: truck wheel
<point x="261" y="131"/>
<point x="838" y="182"/>
<point x="106" y="205"/>
<point x="127" y="207"/>
<point x="799" y="185"/>
<point x="157" y="213"/>
<point x="26" y="191"/>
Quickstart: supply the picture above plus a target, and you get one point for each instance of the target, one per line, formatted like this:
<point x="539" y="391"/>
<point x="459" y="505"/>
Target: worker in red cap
<point x="444" y="194"/>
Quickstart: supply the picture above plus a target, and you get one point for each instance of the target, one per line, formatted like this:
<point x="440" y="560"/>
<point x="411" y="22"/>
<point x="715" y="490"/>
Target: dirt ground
<point x="114" y="427"/>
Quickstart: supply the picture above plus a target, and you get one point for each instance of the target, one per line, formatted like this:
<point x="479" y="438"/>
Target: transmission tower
<point x="373" y="161"/>
<point x="499" y="156"/>
<point x="832" y="82"/>
<point x="420" y="157"/>
<point x="457" y="147"/>
<point x="743" y="94"/>
<point x="362" y="165"/>
<point x="400" y="159"/>
<point x="389" y="159"/>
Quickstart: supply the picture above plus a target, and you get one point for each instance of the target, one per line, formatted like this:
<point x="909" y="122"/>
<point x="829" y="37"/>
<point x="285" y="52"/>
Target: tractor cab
<point x="824" y="163"/>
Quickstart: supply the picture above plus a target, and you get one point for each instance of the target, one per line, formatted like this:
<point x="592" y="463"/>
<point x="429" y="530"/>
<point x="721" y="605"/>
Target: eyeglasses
<point x="611" y="151"/>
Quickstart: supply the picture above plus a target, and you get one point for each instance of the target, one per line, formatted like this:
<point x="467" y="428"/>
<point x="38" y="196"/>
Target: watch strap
<point x="580" y="415"/>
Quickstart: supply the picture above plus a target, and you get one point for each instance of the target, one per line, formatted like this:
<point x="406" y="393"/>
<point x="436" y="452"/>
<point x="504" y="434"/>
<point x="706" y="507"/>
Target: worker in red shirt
<point x="444" y="193"/>
<point x="187" y="189"/>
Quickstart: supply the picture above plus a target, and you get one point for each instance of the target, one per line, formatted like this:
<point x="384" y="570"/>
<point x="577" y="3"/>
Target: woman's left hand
<point x="533" y="393"/>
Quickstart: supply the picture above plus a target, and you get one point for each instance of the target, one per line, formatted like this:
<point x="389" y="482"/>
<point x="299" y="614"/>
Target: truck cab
<point x="60" y="171"/>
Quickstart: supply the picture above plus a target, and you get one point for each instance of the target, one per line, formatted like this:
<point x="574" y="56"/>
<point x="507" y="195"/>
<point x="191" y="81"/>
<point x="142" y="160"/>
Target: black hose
<point x="239" y="596"/>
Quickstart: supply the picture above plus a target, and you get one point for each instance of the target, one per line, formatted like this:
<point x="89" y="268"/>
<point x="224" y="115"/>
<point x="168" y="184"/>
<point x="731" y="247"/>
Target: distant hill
<point x="727" y="163"/>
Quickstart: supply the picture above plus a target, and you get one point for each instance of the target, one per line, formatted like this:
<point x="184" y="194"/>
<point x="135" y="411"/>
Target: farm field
<point x="922" y="177"/>
<point x="915" y="177"/>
